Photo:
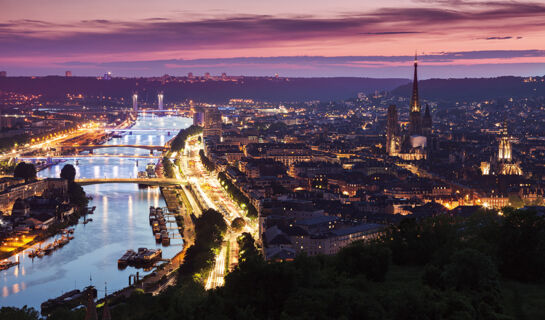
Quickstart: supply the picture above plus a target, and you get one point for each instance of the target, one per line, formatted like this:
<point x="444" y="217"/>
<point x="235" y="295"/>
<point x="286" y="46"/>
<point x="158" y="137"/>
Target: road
<point x="211" y="194"/>
<point x="50" y="143"/>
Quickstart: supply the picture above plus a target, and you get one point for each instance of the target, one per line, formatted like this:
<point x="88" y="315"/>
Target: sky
<point x="294" y="38"/>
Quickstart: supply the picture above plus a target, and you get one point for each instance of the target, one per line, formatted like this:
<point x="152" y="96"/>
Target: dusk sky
<point x="454" y="38"/>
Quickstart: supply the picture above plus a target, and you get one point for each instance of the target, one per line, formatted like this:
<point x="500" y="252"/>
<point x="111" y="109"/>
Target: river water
<point x="120" y="222"/>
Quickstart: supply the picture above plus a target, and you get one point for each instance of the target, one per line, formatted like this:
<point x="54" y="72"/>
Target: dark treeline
<point x="209" y="165"/>
<point x="483" y="267"/>
<point x="237" y="195"/>
<point x="178" y="143"/>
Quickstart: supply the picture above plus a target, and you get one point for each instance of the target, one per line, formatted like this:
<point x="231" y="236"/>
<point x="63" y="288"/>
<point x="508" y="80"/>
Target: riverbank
<point x="43" y="236"/>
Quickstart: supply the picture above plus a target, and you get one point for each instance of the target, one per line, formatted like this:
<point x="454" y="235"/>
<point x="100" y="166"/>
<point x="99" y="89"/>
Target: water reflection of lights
<point x="96" y="171"/>
<point x="115" y="172"/>
<point x="129" y="205"/>
<point x="105" y="208"/>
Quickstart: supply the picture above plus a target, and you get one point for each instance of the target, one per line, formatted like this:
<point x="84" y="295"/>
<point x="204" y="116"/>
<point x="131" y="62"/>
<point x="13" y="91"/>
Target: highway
<point x="211" y="194"/>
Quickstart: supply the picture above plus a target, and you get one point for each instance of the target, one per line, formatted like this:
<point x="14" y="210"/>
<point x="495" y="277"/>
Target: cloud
<point x="499" y="38"/>
<point x="31" y="37"/>
<point x="159" y="42"/>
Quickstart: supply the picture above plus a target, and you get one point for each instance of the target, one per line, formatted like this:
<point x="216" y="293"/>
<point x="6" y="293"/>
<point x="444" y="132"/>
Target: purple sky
<point x="454" y="38"/>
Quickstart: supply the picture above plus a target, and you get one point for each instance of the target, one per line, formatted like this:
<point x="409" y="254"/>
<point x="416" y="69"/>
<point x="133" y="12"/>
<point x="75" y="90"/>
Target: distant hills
<point x="475" y="89"/>
<point x="178" y="89"/>
<point x="273" y="89"/>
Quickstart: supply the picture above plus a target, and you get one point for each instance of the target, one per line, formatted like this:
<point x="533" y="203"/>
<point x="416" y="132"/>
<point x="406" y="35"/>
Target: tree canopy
<point x="68" y="172"/>
<point x="25" y="171"/>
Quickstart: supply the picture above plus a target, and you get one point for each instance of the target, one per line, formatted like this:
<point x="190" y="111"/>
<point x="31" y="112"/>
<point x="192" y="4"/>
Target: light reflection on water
<point x="120" y="222"/>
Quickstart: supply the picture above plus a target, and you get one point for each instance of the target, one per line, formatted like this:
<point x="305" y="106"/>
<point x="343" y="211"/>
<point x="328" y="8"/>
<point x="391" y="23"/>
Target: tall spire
<point x="106" y="309"/>
<point x="415" y="104"/>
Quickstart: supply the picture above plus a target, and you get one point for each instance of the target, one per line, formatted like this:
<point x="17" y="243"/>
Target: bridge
<point x="80" y="156"/>
<point x="101" y="146"/>
<point x="91" y="147"/>
<point x="144" y="181"/>
<point x="173" y="130"/>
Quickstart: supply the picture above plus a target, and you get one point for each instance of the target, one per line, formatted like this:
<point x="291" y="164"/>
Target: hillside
<point x="257" y="88"/>
<point x="474" y="89"/>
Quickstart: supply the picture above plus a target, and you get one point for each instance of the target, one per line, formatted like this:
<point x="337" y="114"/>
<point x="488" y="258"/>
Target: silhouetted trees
<point x="209" y="165"/>
<point x="209" y="230"/>
<point x="25" y="171"/>
<point x="237" y="195"/>
<point x="68" y="172"/>
<point x="178" y="143"/>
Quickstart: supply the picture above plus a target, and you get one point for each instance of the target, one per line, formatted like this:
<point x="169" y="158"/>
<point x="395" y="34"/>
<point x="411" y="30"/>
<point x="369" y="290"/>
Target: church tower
<point x="415" y="117"/>
<point x="392" y="131"/>
<point x="504" y="149"/>
<point x="426" y="122"/>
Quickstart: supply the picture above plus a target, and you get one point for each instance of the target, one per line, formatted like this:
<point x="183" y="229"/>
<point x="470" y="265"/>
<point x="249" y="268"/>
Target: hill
<point x="475" y="89"/>
<point x="212" y="91"/>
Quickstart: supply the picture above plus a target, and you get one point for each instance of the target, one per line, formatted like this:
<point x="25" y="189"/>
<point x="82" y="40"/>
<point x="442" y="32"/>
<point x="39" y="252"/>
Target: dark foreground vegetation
<point x="483" y="267"/>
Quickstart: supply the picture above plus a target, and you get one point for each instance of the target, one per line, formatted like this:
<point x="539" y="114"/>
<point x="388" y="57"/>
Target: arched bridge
<point x="144" y="181"/>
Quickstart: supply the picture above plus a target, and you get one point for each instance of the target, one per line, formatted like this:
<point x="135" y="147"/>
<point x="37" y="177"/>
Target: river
<point x="120" y="222"/>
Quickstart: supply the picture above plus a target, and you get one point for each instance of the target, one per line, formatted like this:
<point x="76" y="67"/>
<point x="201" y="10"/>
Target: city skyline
<point x="454" y="38"/>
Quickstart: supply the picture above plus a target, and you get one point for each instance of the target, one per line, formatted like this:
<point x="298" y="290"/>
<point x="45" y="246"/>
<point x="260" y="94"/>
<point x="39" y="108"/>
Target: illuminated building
<point x="485" y="168"/>
<point x="135" y="102"/>
<point x="160" y="101"/>
<point x="68" y="73"/>
<point x="504" y="164"/>
<point x="392" y="132"/>
<point x="212" y="124"/>
<point x="415" y="116"/>
<point x="505" y="158"/>
<point x="426" y="122"/>
<point x="413" y="145"/>
<point x="504" y="149"/>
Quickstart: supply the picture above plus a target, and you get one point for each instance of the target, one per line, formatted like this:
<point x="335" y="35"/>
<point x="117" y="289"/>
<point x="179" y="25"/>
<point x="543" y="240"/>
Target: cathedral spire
<point x="415" y="104"/>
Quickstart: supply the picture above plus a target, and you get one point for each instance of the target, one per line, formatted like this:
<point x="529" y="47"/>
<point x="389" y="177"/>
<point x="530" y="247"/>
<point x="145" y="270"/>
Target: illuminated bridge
<point x="91" y="147"/>
<point x="144" y="181"/>
<point x="79" y="156"/>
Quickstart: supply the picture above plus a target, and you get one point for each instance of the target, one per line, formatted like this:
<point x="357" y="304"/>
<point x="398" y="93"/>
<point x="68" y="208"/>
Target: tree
<point x="471" y="270"/>
<point x="77" y="195"/>
<point x="25" y="171"/>
<point x="24" y="313"/>
<point x="238" y="224"/>
<point x="68" y="172"/>
<point x="370" y="259"/>
<point x="522" y="245"/>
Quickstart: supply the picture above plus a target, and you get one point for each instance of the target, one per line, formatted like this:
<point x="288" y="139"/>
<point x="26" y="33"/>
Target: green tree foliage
<point x="371" y="260"/>
<point x="68" y="172"/>
<point x="209" y="230"/>
<point x="25" y="171"/>
<point x="77" y="195"/>
<point x="207" y="163"/>
<point x="417" y="242"/>
<point x="238" y="223"/>
<point x="522" y="245"/>
<point x="23" y="313"/>
<point x="178" y="143"/>
<point x="237" y="195"/>
<point x="168" y="168"/>
<point x="247" y="248"/>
